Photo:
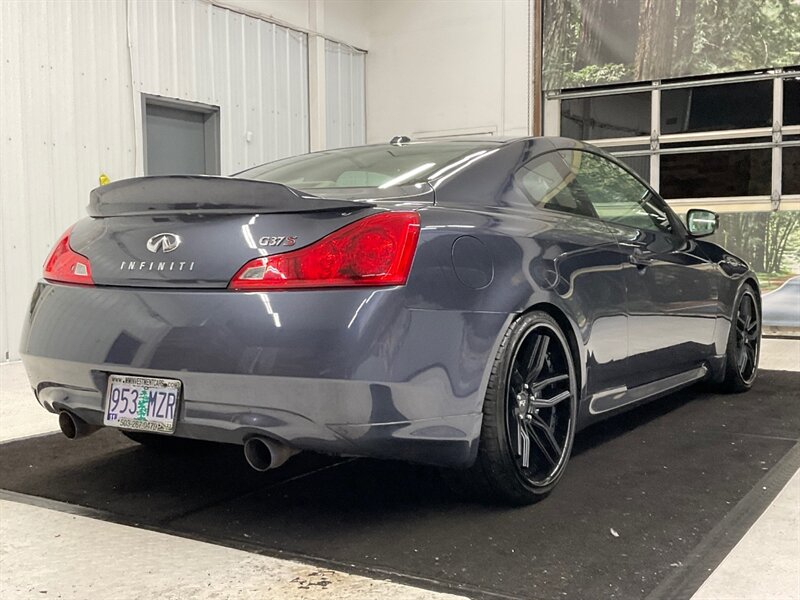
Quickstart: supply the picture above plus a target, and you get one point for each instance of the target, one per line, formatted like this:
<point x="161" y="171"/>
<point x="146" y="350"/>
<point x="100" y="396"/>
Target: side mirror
<point x="701" y="222"/>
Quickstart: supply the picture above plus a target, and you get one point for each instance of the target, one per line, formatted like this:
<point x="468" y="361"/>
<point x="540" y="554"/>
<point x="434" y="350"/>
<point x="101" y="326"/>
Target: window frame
<point x="678" y="227"/>
<point x="517" y="179"/>
<point x="777" y="132"/>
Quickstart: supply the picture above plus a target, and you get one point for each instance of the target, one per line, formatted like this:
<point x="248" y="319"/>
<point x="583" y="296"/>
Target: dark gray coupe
<point x="463" y="303"/>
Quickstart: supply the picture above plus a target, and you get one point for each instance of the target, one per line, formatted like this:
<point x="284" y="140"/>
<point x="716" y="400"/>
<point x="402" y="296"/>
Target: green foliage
<point x="598" y="74"/>
<point x="768" y="241"/>
<point x="745" y="35"/>
<point x="722" y="36"/>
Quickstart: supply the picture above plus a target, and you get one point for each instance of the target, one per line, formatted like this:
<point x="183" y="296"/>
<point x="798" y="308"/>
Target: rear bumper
<point x="360" y="375"/>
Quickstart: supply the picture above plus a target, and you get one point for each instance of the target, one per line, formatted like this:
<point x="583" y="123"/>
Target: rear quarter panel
<point x="520" y="247"/>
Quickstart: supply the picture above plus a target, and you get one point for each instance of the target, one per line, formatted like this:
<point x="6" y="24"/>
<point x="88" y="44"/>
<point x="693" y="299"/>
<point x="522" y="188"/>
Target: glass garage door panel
<point x="717" y="107"/>
<point x="603" y="117"/>
<point x="791" y="170"/>
<point x="716" y="174"/>
<point x="791" y="101"/>
<point x="695" y="145"/>
<point x="638" y="164"/>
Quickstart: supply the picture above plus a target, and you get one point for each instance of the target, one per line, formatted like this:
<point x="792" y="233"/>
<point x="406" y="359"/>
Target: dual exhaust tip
<point x="261" y="453"/>
<point x="73" y="427"/>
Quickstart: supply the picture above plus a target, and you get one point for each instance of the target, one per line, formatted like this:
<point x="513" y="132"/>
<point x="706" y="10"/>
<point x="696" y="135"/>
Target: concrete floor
<point x="766" y="562"/>
<point x="34" y="539"/>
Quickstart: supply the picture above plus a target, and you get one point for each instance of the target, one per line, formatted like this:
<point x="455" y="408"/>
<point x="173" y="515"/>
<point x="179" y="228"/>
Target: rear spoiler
<point x="201" y="194"/>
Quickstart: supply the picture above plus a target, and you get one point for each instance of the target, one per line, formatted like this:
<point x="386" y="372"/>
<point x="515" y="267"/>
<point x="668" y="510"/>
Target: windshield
<point x="381" y="167"/>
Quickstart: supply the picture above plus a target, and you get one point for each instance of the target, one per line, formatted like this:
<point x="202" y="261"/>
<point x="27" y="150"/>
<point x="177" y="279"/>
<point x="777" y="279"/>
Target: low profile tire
<point x="744" y="343"/>
<point x="528" y="415"/>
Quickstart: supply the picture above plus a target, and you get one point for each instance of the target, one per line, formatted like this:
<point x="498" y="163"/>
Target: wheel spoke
<point x="751" y="319"/>
<point x="538" y="356"/>
<point x="742" y="362"/>
<point x="539" y="424"/>
<point x="540" y="385"/>
<point x="747" y="307"/>
<point x="551" y="422"/>
<point x="517" y="380"/>
<point x="533" y="352"/>
<point x="523" y="445"/>
<point x="750" y="357"/>
<point x="542" y="443"/>
<point x="550" y="402"/>
<point x="549" y="444"/>
<point x="740" y="321"/>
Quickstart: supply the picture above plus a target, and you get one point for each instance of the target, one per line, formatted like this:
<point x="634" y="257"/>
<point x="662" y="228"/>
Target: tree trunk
<point x="684" y="34"/>
<point x="592" y="30"/>
<point x="778" y="232"/>
<point x="656" y="39"/>
<point x="556" y="46"/>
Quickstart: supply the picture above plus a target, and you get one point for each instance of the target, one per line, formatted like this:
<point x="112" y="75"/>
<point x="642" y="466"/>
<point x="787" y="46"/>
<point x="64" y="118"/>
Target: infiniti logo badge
<point x="165" y="242"/>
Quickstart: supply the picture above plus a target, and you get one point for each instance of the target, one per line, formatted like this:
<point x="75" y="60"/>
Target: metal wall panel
<point x="345" y="109"/>
<point x="255" y="71"/>
<point x="71" y="79"/>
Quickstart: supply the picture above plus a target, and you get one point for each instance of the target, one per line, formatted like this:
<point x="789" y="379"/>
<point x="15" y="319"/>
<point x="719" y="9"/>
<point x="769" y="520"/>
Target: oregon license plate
<point x="143" y="403"/>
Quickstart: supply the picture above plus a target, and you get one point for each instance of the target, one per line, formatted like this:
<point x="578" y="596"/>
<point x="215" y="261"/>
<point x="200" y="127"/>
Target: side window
<point x="548" y="183"/>
<point x="615" y="194"/>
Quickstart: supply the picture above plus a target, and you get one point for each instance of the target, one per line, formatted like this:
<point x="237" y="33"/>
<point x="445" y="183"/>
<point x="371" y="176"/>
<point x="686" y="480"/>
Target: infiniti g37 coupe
<point x="463" y="303"/>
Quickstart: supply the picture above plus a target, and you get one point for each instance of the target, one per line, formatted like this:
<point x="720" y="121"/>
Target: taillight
<point x="374" y="251"/>
<point x="67" y="266"/>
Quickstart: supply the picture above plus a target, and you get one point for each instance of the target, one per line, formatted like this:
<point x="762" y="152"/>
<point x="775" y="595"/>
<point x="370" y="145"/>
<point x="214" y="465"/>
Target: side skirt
<point x="616" y="398"/>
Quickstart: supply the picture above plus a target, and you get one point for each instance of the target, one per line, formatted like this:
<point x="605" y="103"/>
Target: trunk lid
<point x="195" y="231"/>
<point x="199" y="194"/>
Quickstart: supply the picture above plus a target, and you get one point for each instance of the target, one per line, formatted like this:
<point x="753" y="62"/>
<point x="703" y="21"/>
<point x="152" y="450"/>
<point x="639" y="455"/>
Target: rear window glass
<point x="381" y="166"/>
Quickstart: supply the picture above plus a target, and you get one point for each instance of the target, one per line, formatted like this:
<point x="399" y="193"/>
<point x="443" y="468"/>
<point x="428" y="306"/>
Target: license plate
<point x="143" y="403"/>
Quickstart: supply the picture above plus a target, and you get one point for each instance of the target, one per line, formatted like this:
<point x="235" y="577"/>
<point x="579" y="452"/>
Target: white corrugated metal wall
<point x="256" y="72"/>
<point x="71" y="79"/>
<point x="344" y="95"/>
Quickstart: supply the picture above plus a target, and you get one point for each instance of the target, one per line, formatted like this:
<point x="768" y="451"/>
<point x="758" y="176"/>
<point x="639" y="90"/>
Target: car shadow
<point x="661" y="476"/>
<point x="108" y="472"/>
<point x="622" y="422"/>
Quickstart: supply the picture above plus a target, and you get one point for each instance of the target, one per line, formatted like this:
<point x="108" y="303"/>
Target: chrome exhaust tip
<point x="73" y="427"/>
<point x="262" y="453"/>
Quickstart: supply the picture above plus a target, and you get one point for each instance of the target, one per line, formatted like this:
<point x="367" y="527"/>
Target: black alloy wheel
<point x="539" y="416"/>
<point x="529" y="414"/>
<point x="744" y="343"/>
<point x="748" y="337"/>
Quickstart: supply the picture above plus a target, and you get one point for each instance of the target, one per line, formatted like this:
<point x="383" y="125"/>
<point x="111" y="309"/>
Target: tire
<point x="516" y="423"/>
<point x="744" y="343"/>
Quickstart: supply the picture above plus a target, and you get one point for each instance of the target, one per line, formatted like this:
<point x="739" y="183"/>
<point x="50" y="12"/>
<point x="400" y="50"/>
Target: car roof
<point x="486" y="140"/>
